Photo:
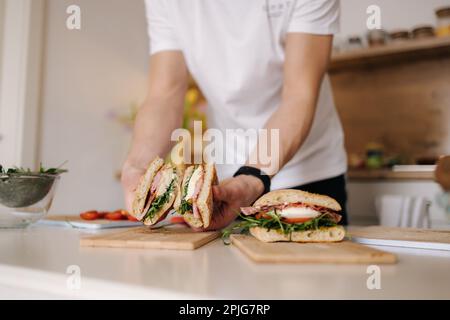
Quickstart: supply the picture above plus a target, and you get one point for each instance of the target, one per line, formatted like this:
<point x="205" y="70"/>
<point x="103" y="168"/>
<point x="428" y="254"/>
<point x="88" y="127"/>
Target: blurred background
<point x="72" y="95"/>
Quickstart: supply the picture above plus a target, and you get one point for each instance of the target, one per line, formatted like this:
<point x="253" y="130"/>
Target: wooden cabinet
<point x="397" y="95"/>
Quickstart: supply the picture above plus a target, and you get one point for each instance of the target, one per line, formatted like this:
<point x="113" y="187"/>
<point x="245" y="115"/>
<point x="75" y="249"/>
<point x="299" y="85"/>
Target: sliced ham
<point x="334" y="216"/>
<point x="155" y="182"/>
<point x="195" y="211"/>
<point x="152" y="197"/>
<point x="198" y="187"/>
<point x="249" y="211"/>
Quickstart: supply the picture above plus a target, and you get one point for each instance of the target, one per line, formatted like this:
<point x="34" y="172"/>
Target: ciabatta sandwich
<point x="294" y="215"/>
<point x="156" y="192"/>
<point x="195" y="199"/>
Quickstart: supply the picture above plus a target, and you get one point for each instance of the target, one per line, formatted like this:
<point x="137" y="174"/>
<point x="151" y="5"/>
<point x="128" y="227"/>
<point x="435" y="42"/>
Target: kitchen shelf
<point x="391" y="53"/>
<point x="388" y="174"/>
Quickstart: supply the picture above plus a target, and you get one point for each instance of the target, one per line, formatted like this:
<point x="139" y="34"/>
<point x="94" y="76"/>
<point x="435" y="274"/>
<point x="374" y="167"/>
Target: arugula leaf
<point x="276" y="223"/>
<point x="276" y="217"/>
<point x="241" y="227"/>
<point x="57" y="170"/>
<point x="185" y="206"/>
<point x="160" y="201"/>
<point x="25" y="171"/>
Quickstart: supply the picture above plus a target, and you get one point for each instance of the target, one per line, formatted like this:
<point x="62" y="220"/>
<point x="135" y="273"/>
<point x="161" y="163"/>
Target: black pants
<point x="333" y="187"/>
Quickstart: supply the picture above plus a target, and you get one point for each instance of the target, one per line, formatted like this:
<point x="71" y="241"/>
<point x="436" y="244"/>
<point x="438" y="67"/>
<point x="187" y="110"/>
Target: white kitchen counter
<point x="33" y="264"/>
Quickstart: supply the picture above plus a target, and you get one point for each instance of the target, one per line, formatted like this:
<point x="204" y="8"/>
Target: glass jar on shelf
<point x="354" y="42"/>
<point x="376" y="37"/>
<point x="443" y="22"/>
<point x="423" y="31"/>
<point x="399" y="36"/>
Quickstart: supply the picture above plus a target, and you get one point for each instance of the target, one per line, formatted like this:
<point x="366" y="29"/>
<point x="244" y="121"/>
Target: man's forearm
<point x="162" y="111"/>
<point x="306" y="62"/>
<point x="155" y="122"/>
<point x="293" y="119"/>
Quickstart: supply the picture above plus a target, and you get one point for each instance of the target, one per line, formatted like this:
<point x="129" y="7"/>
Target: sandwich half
<point x="156" y="192"/>
<point x="195" y="199"/>
<point x="294" y="215"/>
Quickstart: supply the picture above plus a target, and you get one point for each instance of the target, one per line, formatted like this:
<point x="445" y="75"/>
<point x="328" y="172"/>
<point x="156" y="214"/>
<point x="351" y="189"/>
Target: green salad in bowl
<point x="26" y="195"/>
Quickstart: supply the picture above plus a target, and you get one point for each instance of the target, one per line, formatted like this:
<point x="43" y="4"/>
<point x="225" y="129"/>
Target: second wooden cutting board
<point x="402" y="237"/>
<point x="176" y="238"/>
<point x="291" y="252"/>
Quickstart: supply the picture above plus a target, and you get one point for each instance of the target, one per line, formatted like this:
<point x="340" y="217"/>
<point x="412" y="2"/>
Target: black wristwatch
<point x="255" y="172"/>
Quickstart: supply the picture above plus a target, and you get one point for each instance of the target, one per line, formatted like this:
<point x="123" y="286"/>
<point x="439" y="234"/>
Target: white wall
<point x="88" y="72"/>
<point x="395" y="14"/>
<point x="2" y="4"/>
<point x="21" y="60"/>
<point x="2" y="19"/>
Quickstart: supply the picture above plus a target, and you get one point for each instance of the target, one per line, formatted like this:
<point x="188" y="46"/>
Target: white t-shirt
<point x="234" y="49"/>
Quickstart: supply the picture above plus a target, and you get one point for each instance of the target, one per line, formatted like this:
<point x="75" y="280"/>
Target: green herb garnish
<point x="28" y="171"/>
<point x="57" y="170"/>
<point x="159" y="201"/>
<point x="185" y="206"/>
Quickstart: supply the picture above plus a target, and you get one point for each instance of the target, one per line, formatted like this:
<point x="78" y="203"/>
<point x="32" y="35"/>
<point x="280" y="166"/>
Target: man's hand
<point x="130" y="178"/>
<point x="230" y="195"/>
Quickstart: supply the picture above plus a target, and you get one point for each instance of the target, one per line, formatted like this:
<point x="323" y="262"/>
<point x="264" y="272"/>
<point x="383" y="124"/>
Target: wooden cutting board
<point x="291" y="252"/>
<point x="172" y="237"/>
<point x="76" y="222"/>
<point x="401" y="237"/>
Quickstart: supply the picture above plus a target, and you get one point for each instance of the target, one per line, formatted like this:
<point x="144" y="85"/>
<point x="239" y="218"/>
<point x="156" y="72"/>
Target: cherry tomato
<point x="90" y="215"/>
<point x="177" y="220"/>
<point x="296" y="220"/>
<point x="122" y="212"/>
<point x="262" y="215"/>
<point x="131" y="218"/>
<point x="115" y="216"/>
<point x="102" y="214"/>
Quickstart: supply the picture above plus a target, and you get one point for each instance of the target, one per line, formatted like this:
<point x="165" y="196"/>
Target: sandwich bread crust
<point x="325" y="234"/>
<point x="293" y="196"/>
<point x="144" y="187"/>
<point x="164" y="210"/>
<point x="204" y="200"/>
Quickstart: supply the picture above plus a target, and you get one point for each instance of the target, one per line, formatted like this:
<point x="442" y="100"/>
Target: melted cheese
<point x="193" y="182"/>
<point x="299" y="212"/>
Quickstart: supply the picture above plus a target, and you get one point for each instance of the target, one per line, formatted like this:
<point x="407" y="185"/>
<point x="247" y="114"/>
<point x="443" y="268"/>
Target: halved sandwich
<point x="195" y="199"/>
<point x="156" y="192"/>
<point x="294" y="215"/>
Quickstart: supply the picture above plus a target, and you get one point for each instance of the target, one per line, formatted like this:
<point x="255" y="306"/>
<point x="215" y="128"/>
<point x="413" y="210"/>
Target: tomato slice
<point x="123" y="212"/>
<point x="175" y="220"/>
<point x="90" y="215"/>
<point x="131" y="218"/>
<point x="262" y="215"/>
<point x="295" y="220"/>
<point x="115" y="216"/>
<point x="102" y="214"/>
